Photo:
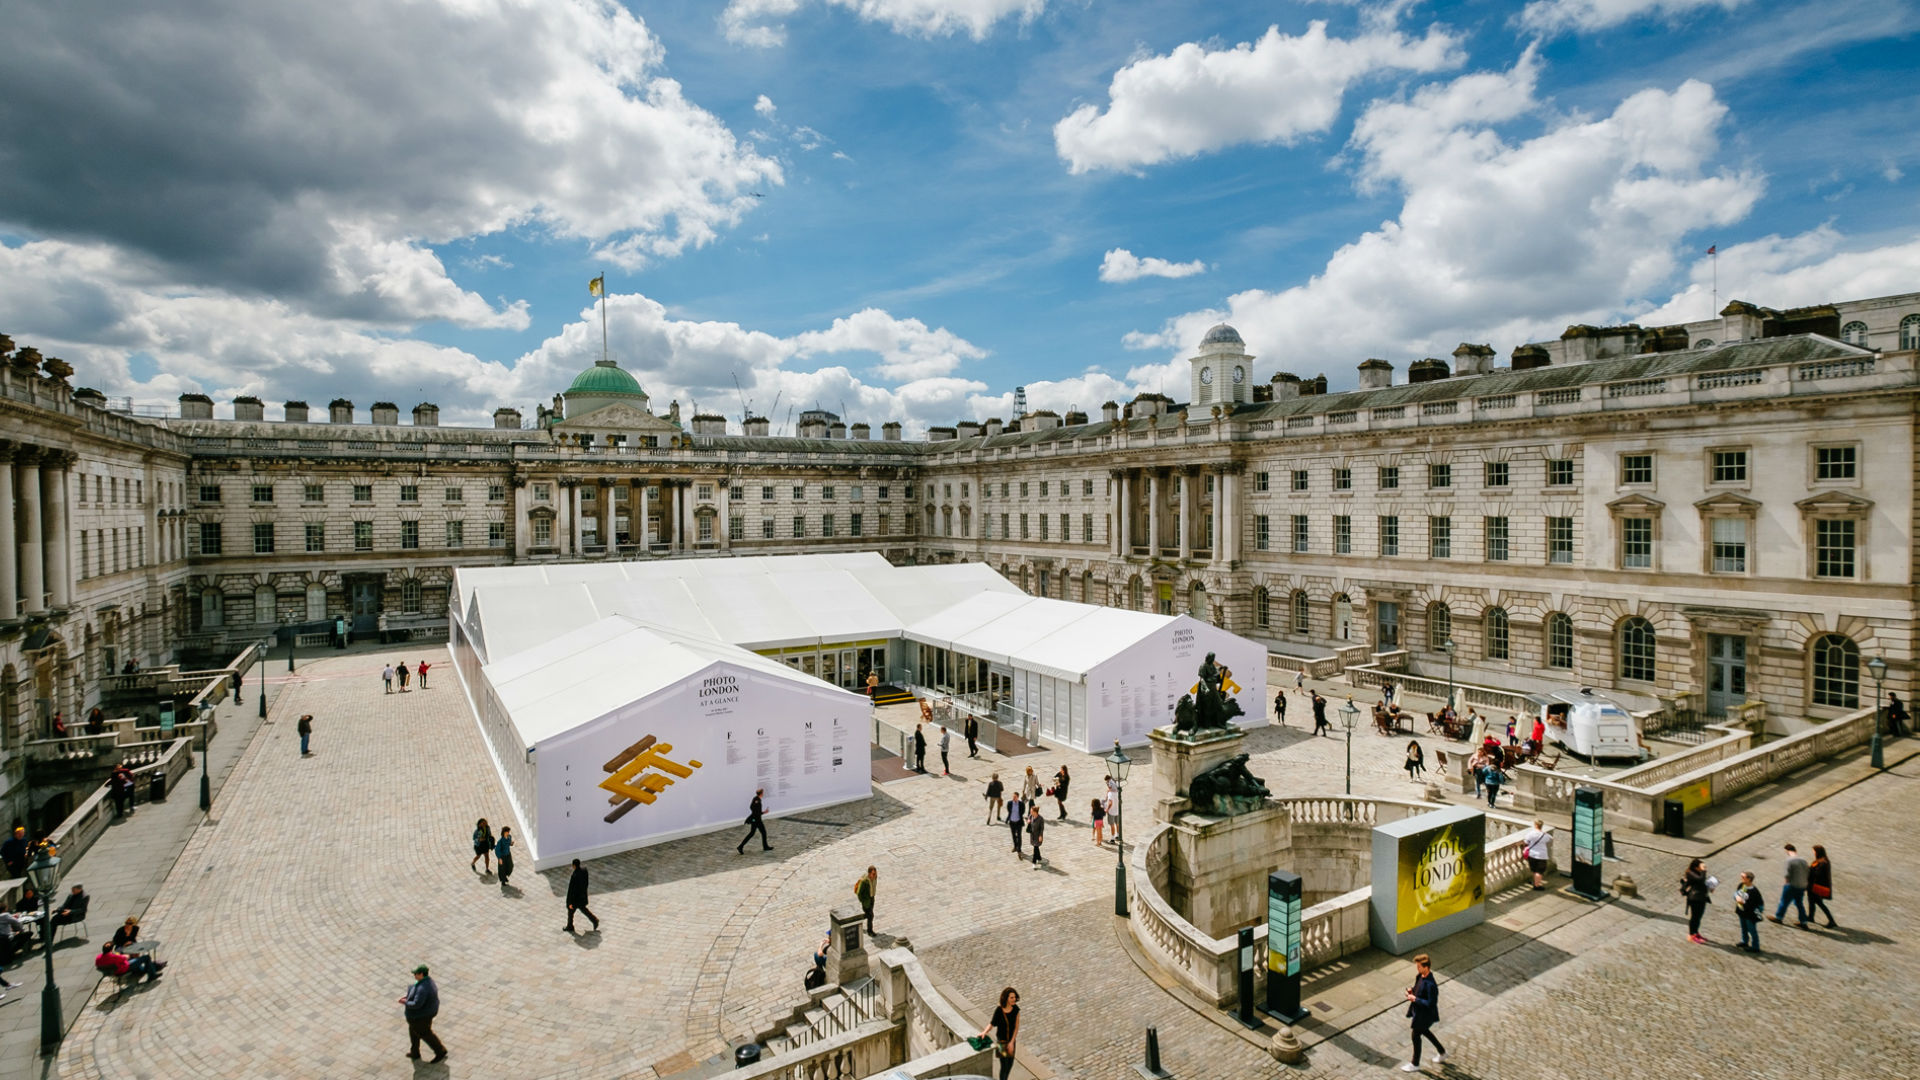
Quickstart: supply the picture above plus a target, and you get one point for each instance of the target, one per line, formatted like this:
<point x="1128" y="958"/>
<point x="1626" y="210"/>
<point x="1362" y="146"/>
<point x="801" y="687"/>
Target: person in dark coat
<point x="577" y="897"/>
<point x="1896" y="715"/>
<point x="1423" y="1008"/>
<point x="306" y="733"/>
<point x="919" y="749"/>
<point x="1694" y="889"/>
<point x="14" y="853"/>
<point x="422" y="1000"/>
<point x="756" y="823"/>
<point x="503" y="854"/>
<point x="1320" y="725"/>
<point x="1060" y="781"/>
<point x="973" y="736"/>
<point x="1280" y="706"/>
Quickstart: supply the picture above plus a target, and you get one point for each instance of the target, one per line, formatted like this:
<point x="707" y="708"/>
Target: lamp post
<point x="1879" y="669"/>
<point x="45" y="873"/>
<point x="1449" y="647"/>
<point x="1118" y="764"/>
<point x="290" y="636"/>
<point x="1349" y="717"/>
<point x="206" y="776"/>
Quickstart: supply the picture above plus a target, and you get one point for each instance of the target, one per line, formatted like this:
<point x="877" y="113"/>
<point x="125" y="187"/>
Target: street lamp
<point x="1449" y="647"/>
<point x="45" y="873"/>
<point x="290" y="636"/>
<point x="206" y="777"/>
<point x="1879" y="669"/>
<point x="1349" y="717"/>
<point x="1118" y="765"/>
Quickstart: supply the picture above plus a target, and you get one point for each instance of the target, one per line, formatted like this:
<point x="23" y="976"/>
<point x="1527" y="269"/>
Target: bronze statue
<point x="1227" y="788"/>
<point x="1212" y="710"/>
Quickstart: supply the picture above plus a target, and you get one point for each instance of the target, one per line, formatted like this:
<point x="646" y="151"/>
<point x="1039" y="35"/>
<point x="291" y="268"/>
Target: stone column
<point x="573" y="500"/>
<point x="1229" y="531"/>
<point x="725" y="523"/>
<point x="9" y="566"/>
<point x="1153" y="513"/>
<point x="563" y="516"/>
<point x="522" y="525"/>
<point x="1189" y="479"/>
<point x="690" y="535"/>
<point x="33" y="570"/>
<point x="1219" y="516"/>
<point x="53" y="493"/>
<point x="603" y="513"/>
<point x="1116" y="509"/>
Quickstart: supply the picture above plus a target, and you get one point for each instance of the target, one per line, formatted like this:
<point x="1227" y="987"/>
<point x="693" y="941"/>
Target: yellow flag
<point x="598" y="286"/>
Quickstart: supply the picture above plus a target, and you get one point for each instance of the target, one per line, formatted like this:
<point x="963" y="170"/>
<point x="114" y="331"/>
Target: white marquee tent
<point x="618" y="734"/>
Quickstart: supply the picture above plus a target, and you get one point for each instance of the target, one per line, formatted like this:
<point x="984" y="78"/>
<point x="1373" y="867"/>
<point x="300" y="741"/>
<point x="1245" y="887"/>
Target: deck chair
<point x="1440" y="760"/>
<point x="1548" y="763"/>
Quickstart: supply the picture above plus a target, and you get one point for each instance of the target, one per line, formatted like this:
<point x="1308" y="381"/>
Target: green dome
<point x="606" y="379"/>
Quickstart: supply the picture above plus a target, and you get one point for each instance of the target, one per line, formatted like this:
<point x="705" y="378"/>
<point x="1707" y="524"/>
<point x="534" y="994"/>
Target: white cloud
<point x="1496" y="240"/>
<point x="1554" y="16"/>
<point x="764" y="106"/>
<point x="907" y="348"/>
<point x="1815" y="267"/>
<point x="1276" y="90"/>
<point x="761" y="23"/>
<point x="1122" y="265"/>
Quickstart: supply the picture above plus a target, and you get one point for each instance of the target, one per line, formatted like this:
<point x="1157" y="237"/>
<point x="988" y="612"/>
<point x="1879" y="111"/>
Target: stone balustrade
<point x="1484" y="697"/>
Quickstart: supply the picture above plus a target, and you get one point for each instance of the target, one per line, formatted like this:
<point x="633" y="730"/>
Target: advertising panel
<point x="1441" y="872"/>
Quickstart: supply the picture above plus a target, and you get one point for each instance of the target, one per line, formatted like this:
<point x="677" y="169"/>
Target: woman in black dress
<point x="1005" y="1026"/>
<point x="1694" y="888"/>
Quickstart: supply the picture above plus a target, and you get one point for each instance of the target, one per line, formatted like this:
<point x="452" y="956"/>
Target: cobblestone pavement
<point x="293" y="921"/>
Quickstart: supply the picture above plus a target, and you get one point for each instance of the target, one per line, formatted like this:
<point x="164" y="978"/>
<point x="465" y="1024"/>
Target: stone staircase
<point x="826" y="1012"/>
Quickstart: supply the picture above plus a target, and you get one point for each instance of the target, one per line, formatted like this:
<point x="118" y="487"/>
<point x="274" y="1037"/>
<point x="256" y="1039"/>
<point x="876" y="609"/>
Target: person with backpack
<point x="1747" y="905"/>
<point x="482" y="845"/>
<point x="863" y="891"/>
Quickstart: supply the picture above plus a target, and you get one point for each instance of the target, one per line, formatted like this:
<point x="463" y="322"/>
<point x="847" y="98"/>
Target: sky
<point x="902" y="209"/>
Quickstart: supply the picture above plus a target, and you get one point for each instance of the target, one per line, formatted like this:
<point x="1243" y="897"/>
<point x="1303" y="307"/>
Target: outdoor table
<point x="140" y="948"/>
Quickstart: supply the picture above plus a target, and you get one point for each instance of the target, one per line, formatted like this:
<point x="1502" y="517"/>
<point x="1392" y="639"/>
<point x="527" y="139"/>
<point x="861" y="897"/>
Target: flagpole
<point x="603" y="315"/>
<point x="1715" y="254"/>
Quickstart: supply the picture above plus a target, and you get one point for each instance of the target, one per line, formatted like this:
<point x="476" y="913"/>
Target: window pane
<point x="1729" y="545"/>
<point x="1833" y="542"/>
<point x="1637" y="650"/>
<point x="1497" y="631"/>
<point x="1836" y="672"/>
<point x="1559" y="641"/>
<point x="1636" y="543"/>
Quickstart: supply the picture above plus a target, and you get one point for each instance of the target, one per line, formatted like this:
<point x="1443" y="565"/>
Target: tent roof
<point x="578" y="677"/>
<point x="1053" y="637"/>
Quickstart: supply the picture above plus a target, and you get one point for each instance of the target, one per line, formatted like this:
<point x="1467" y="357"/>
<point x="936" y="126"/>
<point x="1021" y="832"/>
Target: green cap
<point x="421" y="970"/>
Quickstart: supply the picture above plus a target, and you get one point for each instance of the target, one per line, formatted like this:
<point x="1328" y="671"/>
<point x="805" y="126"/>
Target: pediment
<point x="1728" y="504"/>
<point x="1834" y="504"/>
<point x="1636" y="504"/>
<point x="618" y="416"/>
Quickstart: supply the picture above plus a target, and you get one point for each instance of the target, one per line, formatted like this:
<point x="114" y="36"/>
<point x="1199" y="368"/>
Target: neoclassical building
<point x="1722" y="509"/>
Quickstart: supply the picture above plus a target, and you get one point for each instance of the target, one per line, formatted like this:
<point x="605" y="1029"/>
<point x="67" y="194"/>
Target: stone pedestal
<point x="847" y="945"/>
<point x="1217" y="867"/>
<point x="1177" y="760"/>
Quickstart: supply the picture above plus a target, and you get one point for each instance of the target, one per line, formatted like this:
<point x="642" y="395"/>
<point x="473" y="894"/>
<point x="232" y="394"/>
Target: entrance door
<point x="366" y="604"/>
<point x="1164" y="593"/>
<point x="849" y="672"/>
<point x="1726" y="673"/>
<point x="1343" y="618"/>
<point x="1386" y="626"/>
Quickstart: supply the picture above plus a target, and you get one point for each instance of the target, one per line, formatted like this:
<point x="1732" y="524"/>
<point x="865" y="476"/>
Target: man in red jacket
<point x="115" y="963"/>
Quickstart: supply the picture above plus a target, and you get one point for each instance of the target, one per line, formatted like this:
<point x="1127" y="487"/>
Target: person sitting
<point x="15" y="934"/>
<point x="59" y="726"/>
<point x="128" y="933"/>
<point x="75" y="909"/>
<point x="817" y="975"/>
<point x="96" y="721"/>
<point x="113" y="962"/>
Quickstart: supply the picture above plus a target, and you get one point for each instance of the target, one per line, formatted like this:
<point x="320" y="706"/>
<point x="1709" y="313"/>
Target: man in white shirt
<point x="1536" y="846"/>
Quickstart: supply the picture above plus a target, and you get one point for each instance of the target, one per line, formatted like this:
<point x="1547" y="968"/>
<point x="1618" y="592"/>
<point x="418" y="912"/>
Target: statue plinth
<point x="1177" y="759"/>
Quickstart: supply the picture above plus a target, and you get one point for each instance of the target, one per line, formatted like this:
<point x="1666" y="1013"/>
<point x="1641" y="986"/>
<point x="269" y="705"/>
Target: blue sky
<point x="902" y="208"/>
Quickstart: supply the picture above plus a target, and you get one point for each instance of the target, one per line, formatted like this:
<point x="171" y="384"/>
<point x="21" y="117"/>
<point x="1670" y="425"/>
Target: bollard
<point x="1608" y="844"/>
<point x="1150" y="1068"/>
<point x="744" y="1056"/>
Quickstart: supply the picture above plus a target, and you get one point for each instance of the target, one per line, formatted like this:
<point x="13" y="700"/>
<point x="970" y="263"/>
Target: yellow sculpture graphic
<point x="1227" y="685"/>
<point x="630" y="781"/>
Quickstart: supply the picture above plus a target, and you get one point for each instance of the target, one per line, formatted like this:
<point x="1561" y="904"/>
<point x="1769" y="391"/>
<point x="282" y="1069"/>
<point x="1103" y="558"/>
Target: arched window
<point x="1301" y="625"/>
<point x="1704" y="343"/>
<point x="1854" y="333"/>
<point x="1559" y="640"/>
<point x="1197" y="602"/>
<point x="1261" y="618"/>
<point x="263" y="604"/>
<point x="1499" y="643"/>
<point x="1136" y="593"/>
<point x="1910" y="332"/>
<point x="1637" y="650"/>
<point x="1439" y="627"/>
<point x="1086" y="587"/>
<point x="410" y="596"/>
<point x="1836" y="671"/>
<point x="213" y="609"/>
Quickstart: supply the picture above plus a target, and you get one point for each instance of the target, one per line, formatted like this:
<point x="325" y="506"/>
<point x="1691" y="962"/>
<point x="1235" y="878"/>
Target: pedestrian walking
<point x="1896" y="715"/>
<point x="873" y="685"/>
<point x="756" y="823"/>
<point x="420" y="669"/>
<point x="1513" y="730"/>
<point x="1794" y="891"/>
<point x="1300" y="680"/>
<point x="123" y="788"/>
<point x="386" y="676"/>
<point x="946" y="740"/>
<point x="1016" y="808"/>
<point x="1536" y="846"/>
<point x="1386" y="693"/>
<point x="577" y="897"/>
<point x="863" y="891"/>
<point x="305" y="728"/>
<point x="994" y="790"/>
<point x="1029" y="787"/>
<point x="1098" y="814"/>
<point x="1036" y="832"/>
<point x="422" y="1001"/>
<point x="1820" y="885"/>
<point x="1695" y="889"/>
<point x="1423" y="1008"/>
<point x="1112" y="803"/>
<point x="1060" y="781"/>
<point x="1492" y="776"/>
<point x="973" y="736"/>
<point x="1004" y="1026"/>
<point x="1416" y="761"/>
<point x="1280" y="706"/>
<point x="503" y="854"/>
<point x="1320" y="725"/>
<point x="401" y="670"/>
<point x="1747" y="906"/>
<point x="482" y="845"/>
<point x="919" y="750"/>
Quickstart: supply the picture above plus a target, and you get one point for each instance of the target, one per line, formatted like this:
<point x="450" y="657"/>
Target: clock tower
<point x="1222" y="371"/>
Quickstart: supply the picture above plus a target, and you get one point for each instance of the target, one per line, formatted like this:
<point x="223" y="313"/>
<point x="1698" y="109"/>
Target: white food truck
<point x="1589" y="725"/>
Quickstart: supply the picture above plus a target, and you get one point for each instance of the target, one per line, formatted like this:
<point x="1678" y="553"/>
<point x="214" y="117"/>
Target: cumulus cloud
<point x="1121" y="265"/>
<point x="1556" y="16"/>
<point x="761" y="23"/>
<point x="317" y="151"/>
<point x="1813" y="267"/>
<point x="1276" y="90"/>
<point x="1496" y="239"/>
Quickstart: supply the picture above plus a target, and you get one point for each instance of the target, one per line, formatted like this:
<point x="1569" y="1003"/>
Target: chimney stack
<point x="196" y="407"/>
<point x="1427" y="370"/>
<point x="1110" y="412"/>
<point x="1470" y="359"/>
<point x="890" y="431"/>
<point x="836" y="430"/>
<point x="340" y="411"/>
<point x="1285" y="386"/>
<point x="426" y="414"/>
<point x="756" y="425"/>
<point x="1528" y="357"/>
<point x="966" y="429"/>
<point x="505" y="419"/>
<point x="1375" y="374"/>
<point x="993" y="427"/>
<point x="863" y="432"/>
<point x="296" y="412"/>
<point x="386" y="412"/>
<point x="709" y="424"/>
<point x="248" y="408"/>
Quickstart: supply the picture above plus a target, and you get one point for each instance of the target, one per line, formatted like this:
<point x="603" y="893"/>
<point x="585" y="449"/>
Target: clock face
<point x="1206" y="376"/>
<point x="1239" y="374"/>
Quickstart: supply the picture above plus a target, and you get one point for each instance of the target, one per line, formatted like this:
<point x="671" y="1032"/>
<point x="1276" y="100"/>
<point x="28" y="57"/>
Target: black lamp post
<point x="290" y="637"/>
<point x="45" y="873"/>
<point x="1349" y="716"/>
<point x="1118" y="765"/>
<point x="1879" y="669"/>
<point x="206" y="776"/>
<point x="1449" y="647"/>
